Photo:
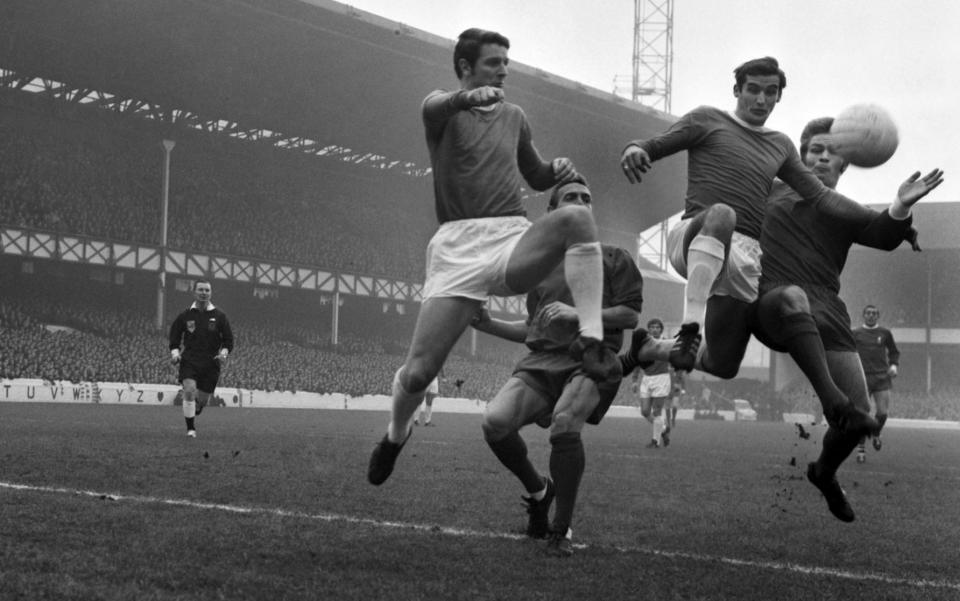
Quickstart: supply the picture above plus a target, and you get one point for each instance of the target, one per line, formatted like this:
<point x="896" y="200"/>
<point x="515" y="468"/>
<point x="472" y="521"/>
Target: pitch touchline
<point x="333" y="517"/>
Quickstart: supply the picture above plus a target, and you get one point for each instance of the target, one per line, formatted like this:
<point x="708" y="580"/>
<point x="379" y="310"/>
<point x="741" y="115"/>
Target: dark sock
<point x="837" y="446"/>
<point x="881" y="419"/>
<point x="567" y="461"/>
<point x="803" y="341"/>
<point x="512" y="453"/>
<point x="190" y="425"/>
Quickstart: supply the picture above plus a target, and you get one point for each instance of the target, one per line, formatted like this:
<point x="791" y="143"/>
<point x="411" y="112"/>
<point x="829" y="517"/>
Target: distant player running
<point x="881" y="363"/>
<point x="652" y="386"/>
<point x="805" y="247"/>
<point x="482" y="152"/>
<point x="733" y="160"/>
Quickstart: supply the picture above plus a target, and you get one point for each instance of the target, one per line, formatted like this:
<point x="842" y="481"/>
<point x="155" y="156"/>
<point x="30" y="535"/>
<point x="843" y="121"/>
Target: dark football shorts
<point x="206" y="374"/>
<point x="830" y="314"/>
<point x="549" y="372"/>
<point x="879" y="382"/>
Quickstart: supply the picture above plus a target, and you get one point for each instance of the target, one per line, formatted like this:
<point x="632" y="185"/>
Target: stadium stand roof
<point x="938" y="224"/>
<point x="321" y="76"/>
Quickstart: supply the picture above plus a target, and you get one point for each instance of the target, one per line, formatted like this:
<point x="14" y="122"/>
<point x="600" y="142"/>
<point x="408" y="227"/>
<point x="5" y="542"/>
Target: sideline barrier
<point x="120" y="393"/>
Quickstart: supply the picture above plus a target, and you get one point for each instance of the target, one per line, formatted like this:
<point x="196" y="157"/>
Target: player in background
<point x="733" y="159"/>
<point x="881" y="359"/>
<point x="652" y="385"/>
<point x="482" y="154"/>
<point x="677" y="390"/>
<point x="200" y="342"/>
<point x="426" y="408"/>
<point x="805" y="247"/>
<point x="549" y="387"/>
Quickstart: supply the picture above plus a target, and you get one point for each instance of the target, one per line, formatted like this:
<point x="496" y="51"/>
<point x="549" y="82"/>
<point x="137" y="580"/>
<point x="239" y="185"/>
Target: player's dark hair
<point x="201" y="281"/>
<point x="760" y="66"/>
<point x="820" y="125"/>
<point x="469" y="44"/>
<point x="655" y="321"/>
<point x="874" y="307"/>
<point x="555" y="193"/>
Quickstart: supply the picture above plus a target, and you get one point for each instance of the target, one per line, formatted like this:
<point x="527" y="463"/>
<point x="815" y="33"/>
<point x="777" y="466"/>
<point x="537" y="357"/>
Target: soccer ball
<point x="865" y="135"/>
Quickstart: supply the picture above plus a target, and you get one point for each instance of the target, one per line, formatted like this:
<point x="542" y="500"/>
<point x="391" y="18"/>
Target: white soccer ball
<point x="865" y="135"/>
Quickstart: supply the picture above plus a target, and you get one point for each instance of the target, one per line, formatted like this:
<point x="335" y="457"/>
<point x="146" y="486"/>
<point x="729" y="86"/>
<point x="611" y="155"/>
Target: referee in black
<point x="200" y="342"/>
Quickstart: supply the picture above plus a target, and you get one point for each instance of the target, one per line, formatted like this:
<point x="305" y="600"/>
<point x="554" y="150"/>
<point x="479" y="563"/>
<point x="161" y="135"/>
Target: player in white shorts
<point x="652" y="385"/>
<point x="482" y="156"/>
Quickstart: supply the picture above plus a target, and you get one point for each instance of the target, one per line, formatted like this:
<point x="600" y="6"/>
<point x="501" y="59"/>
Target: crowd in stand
<point x="225" y="196"/>
<point x="83" y="339"/>
<point x="71" y="341"/>
<point x="102" y="178"/>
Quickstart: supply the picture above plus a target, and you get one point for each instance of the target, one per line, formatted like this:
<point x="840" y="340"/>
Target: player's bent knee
<point x="415" y="378"/>
<point x="577" y="221"/>
<point x="720" y="216"/>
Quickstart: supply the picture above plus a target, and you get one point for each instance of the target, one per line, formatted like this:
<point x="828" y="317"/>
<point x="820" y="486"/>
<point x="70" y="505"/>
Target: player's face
<point x="655" y="330"/>
<point x="871" y="316"/>
<point x="824" y="161"/>
<point x="575" y="194"/>
<point x="490" y="68"/>
<point x="757" y="97"/>
<point x="202" y="292"/>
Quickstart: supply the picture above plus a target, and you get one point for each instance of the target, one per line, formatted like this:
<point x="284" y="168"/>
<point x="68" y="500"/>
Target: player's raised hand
<point x="484" y="96"/>
<point x="563" y="170"/>
<point x="634" y="161"/>
<point x="916" y="187"/>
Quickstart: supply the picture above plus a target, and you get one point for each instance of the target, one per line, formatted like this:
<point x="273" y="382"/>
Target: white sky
<point x="903" y="55"/>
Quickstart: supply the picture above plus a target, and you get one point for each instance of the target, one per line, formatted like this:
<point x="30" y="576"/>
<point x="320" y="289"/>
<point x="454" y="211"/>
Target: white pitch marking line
<point x="333" y="517"/>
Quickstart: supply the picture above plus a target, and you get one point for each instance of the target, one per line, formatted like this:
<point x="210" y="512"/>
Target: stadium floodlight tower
<point x="652" y="80"/>
<point x="653" y="53"/>
<point x="165" y="209"/>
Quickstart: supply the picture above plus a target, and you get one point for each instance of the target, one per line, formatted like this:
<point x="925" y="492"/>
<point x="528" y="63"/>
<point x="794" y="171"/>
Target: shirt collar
<point x="759" y="128"/>
<point x="210" y="306"/>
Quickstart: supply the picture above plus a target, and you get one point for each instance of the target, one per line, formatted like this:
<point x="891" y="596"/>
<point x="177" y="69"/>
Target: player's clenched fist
<point x="563" y="170"/>
<point x="634" y="161"/>
<point x="484" y="96"/>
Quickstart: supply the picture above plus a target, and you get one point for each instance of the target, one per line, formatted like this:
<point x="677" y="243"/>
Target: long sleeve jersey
<point x="622" y="285"/>
<point x="807" y="243"/>
<point x="877" y="349"/>
<point x="480" y="157"/>
<point x="733" y="164"/>
<point x="201" y="333"/>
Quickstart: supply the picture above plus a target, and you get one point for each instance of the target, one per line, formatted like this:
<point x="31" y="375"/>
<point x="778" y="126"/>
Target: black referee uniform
<point x="201" y="334"/>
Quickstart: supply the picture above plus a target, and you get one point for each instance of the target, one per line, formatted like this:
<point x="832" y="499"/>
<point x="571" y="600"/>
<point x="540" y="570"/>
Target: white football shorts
<point x="740" y="277"/>
<point x="468" y="257"/>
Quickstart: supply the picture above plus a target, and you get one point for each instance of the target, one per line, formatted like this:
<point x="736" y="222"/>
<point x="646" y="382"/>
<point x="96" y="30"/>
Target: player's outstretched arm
<point x="439" y="105"/>
<point x="912" y="190"/>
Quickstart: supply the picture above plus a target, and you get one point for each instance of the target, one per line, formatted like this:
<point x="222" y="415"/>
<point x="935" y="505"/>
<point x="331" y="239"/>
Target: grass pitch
<point x="115" y="502"/>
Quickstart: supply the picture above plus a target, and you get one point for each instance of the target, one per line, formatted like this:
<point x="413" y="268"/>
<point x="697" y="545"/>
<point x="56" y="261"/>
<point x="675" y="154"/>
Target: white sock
<point x="405" y="406"/>
<point x="705" y="258"/>
<point x="189" y="408"/>
<point x="657" y="427"/>
<point x="583" y="270"/>
<point x="429" y="413"/>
